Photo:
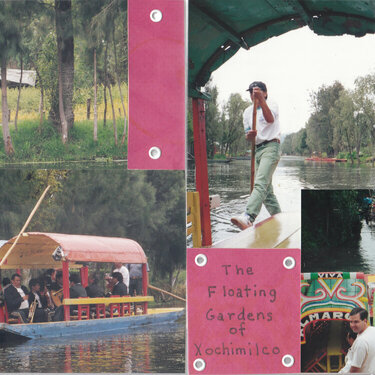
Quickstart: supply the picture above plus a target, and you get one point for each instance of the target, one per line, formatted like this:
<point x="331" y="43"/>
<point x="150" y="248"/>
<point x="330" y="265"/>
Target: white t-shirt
<point x="348" y="362"/>
<point x="24" y="304"/>
<point x="265" y="131"/>
<point x="364" y="351"/>
<point x="125" y="274"/>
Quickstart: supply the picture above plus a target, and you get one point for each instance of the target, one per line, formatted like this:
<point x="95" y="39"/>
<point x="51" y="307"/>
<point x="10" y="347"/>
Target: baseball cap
<point x="259" y="84"/>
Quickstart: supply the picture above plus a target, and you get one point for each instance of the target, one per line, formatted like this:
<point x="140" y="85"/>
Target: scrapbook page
<point x="92" y="252"/>
<point x="271" y="78"/>
<point x="186" y="186"/>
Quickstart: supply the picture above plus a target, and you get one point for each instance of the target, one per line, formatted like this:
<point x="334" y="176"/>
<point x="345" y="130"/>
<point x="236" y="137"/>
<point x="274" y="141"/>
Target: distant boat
<point x="333" y="160"/>
<point x="213" y="161"/>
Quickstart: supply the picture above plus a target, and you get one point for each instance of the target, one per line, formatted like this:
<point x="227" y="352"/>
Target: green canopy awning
<point x="219" y="28"/>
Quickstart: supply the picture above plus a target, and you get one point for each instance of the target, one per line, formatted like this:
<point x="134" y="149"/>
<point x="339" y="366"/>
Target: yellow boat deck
<point x="164" y="310"/>
<point x="282" y="231"/>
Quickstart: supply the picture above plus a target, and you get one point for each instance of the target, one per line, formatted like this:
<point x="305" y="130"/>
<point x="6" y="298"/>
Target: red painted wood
<point x="84" y="271"/>
<point x="243" y="311"/>
<point x="66" y="285"/>
<point x="156" y="84"/>
<point x="144" y="285"/>
<point x="200" y="154"/>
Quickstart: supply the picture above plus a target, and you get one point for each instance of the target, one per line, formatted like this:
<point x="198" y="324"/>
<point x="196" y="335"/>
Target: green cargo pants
<point x="266" y="160"/>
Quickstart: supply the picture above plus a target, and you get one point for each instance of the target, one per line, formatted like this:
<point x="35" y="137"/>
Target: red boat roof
<point x="34" y="250"/>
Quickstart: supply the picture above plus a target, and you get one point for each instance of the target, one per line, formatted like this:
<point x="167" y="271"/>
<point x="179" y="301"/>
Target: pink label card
<point x="243" y="311"/>
<point x="156" y="84"/>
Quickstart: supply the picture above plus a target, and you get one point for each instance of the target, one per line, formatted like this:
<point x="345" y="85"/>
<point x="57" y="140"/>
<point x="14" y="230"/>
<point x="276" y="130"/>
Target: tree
<point x="364" y="97"/>
<point x="212" y="119"/>
<point x="349" y="124"/>
<point x="319" y="127"/>
<point x="12" y="16"/>
<point x="64" y="116"/>
<point x="233" y="123"/>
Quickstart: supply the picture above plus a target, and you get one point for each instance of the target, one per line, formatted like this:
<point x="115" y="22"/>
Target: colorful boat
<point x="326" y="301"/>
<point x="36" y="250"/>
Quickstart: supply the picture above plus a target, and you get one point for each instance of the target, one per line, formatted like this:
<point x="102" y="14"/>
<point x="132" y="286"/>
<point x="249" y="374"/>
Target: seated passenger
<point x="16" y="298"/>
<point x="93" y="290"/>
<point x="58" y="283"/>
<point x="40" y="314"/>
<point x="57" y="289"/>
<point x="76" y="290"/>
<point x="49" y="277"/>
<point x="119" y="289"/>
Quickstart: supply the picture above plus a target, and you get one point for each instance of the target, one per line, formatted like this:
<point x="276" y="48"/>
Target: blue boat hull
<point x="85" y="327"/>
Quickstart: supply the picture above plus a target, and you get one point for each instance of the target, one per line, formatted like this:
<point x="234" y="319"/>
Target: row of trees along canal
<point x="342" y="124"/>
<point x="149" y="210"/>
<point x="74" y="46"/>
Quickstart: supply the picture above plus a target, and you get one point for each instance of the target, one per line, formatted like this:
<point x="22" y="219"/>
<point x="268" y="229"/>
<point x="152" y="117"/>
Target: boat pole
<point x="169" y="293"/>
<point x="26" y="224"/>
<point x="254" y="127"/>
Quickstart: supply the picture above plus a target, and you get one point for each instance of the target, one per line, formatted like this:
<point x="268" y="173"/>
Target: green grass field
<point x="32" y="146"/>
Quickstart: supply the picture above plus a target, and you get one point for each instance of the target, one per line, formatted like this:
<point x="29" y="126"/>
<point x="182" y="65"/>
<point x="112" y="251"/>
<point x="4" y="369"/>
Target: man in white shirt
<point x="350" y="337"/>
<point x="363" y="349"/>
<point x="267" y="155"/>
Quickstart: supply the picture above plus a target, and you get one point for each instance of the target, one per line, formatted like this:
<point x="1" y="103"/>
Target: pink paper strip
<point x="243" y="311"/>
<point x="156" y="84"/>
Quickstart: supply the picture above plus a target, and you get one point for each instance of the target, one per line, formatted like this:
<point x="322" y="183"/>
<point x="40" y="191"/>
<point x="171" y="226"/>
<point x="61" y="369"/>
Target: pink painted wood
<point x="156" y="84"/>
<point x="243" y="311"/>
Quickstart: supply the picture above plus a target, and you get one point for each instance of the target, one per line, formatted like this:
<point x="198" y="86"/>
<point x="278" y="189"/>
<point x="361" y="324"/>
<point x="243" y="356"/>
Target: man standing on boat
<point x="267" y="156"/>
<point x="363" y="349"/>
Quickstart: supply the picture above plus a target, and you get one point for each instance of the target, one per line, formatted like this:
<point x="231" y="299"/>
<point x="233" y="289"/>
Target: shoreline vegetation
<point x="73" y="58"/>
<point x="34" y="141"/>
<point x="341" y="125"/>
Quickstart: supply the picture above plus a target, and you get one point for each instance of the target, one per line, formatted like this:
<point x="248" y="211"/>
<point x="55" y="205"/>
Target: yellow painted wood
<point x="194" y="218"/>
<point x="164" y="310"/>
<point x="282" y="230"/>
<point x="106" y="300"/>
<point x="334" y="353"/>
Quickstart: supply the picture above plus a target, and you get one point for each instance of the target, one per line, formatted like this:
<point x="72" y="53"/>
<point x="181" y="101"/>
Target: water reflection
<point x="357" y="256"/>
<point x="232" y="182"/>
<point x="158" y="350"/>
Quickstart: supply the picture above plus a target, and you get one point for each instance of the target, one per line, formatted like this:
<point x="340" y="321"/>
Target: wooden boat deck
<point x="282" y="230"/>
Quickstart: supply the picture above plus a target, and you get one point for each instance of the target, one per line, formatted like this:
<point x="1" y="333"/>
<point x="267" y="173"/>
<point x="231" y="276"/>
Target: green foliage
<point x="319" y="127"/>
<point x="212" y="120"/>
<point x="30" y="145"/>
<point x="330" y="220"/>
<point x="146" y="206"/>
<point x="341" y="123"/>
<point x="295" y="143"/>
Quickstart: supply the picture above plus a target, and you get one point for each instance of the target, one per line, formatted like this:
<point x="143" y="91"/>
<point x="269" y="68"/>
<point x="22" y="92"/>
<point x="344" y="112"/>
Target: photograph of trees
<point x="63" y="79"/>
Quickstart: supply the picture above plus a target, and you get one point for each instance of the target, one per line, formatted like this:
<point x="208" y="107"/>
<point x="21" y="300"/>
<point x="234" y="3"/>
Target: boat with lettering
<point x="35" y="250"/>
<point x="326" y="301"/>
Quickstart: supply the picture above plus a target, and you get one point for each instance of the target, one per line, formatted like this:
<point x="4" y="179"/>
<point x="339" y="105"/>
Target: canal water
<point x="159" y="350"/>
<point x="231" y="181"/>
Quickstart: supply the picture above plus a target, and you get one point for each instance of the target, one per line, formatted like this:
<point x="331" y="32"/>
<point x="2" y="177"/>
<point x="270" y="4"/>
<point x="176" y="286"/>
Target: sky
<point x="293" y="66"/>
